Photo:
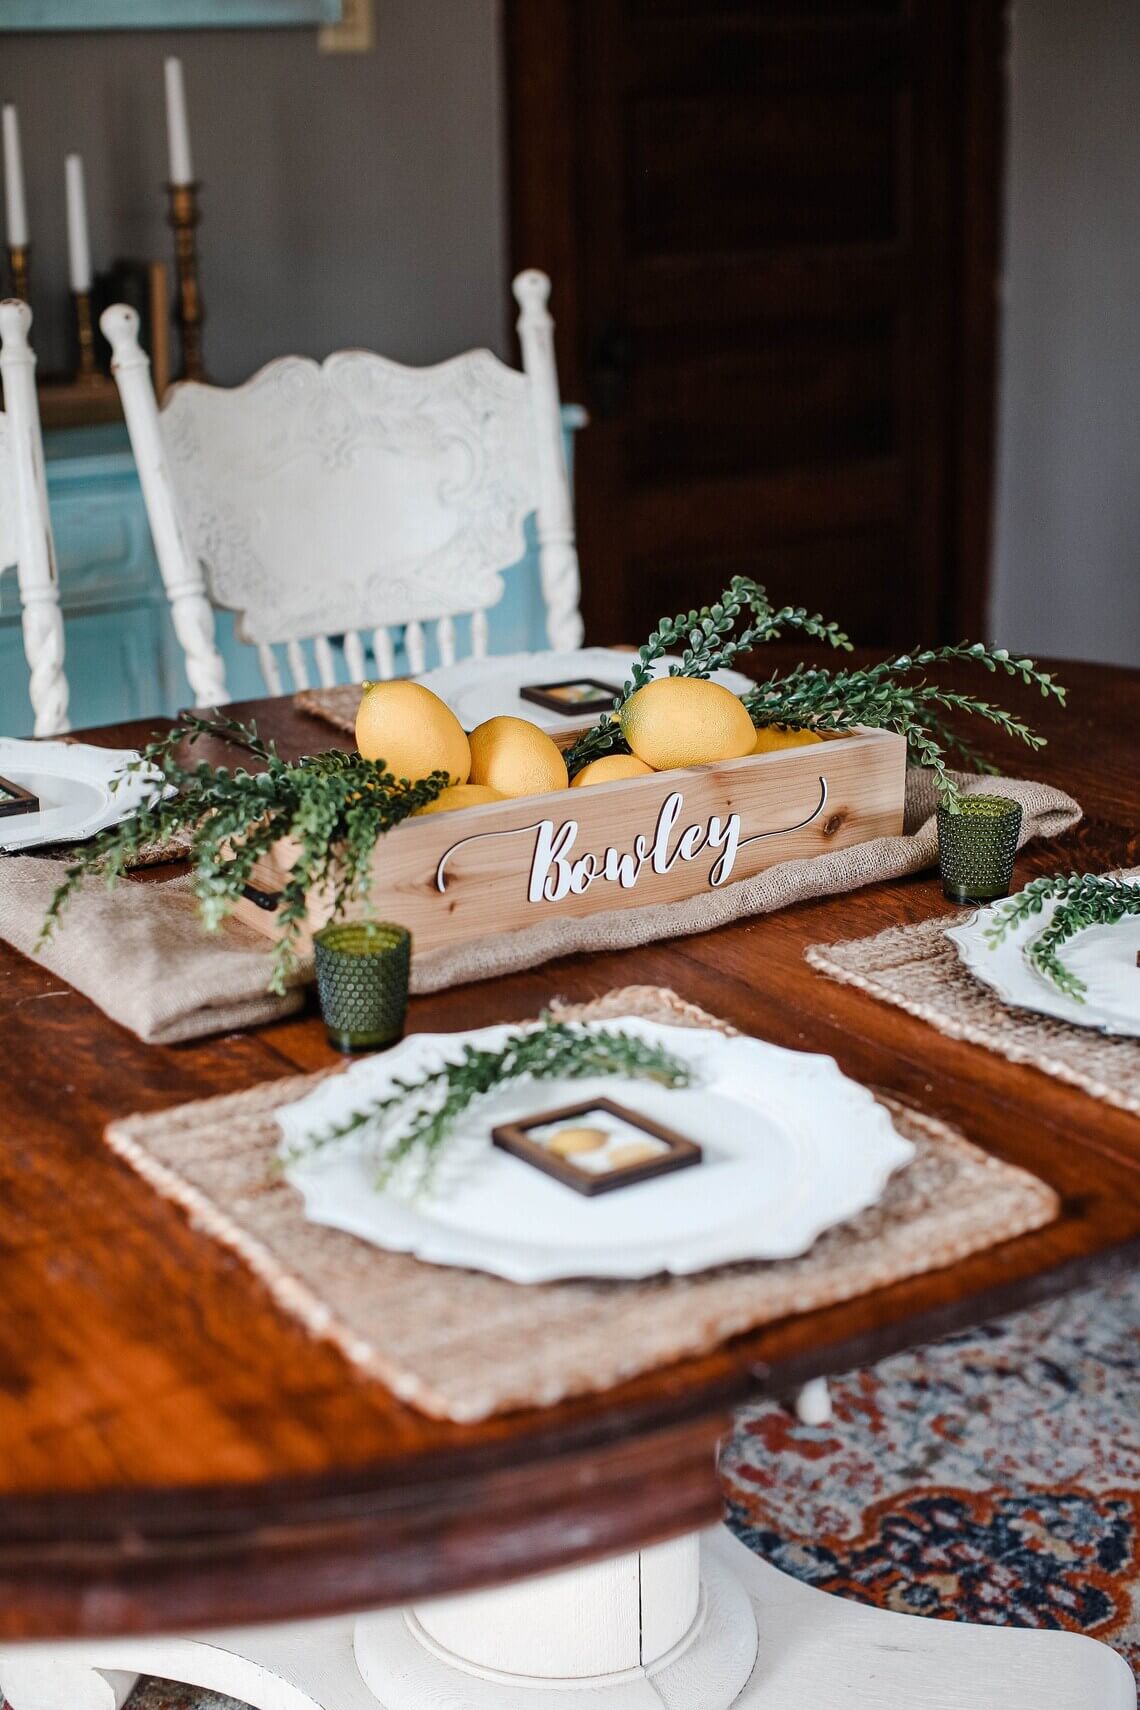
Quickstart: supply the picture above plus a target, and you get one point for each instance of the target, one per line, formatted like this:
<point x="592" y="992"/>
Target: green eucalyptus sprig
<point x="333" y="806"/>
<point x="892" y="695"/>
<point x="407" y="1131"/>
<point x="708" y="640"/>
<point x="885" y="697"/>
<point x="1083" y="900"/>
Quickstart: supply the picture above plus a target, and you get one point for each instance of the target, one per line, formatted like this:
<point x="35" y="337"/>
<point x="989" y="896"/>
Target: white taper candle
<point x="14" y="181"/>
<point x="177" y="125"/>
<point x="78" y="247"/>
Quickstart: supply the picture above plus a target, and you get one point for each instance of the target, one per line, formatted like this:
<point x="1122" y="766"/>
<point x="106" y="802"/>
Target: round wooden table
<point x="179" y="1456"/>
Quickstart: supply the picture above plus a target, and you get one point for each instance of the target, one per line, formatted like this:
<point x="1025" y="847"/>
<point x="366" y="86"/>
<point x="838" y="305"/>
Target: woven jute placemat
<point x="337" y="706"/>
<point x="461" y="1345"/>
<point x="918" y="969"/>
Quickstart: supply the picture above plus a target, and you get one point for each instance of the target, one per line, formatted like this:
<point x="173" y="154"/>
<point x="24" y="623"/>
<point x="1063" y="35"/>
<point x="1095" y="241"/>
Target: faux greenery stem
<point x="334" y="807"/>
<point x="892" y="695"/>
<point x="1082" y="900"/>
<point x="407" y="1131"/>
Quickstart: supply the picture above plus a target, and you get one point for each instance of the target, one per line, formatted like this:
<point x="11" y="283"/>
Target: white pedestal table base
<point x="750" y="1636"/>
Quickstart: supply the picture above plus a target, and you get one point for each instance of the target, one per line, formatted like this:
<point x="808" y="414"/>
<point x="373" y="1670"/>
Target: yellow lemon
<point x="609" y="767"/>
<point x="772" y="737"/>
<point x="516" y="758"/>
<point x="685" y="721"/>
<point x="411" y="731"/>
<point x="460" y="796"/>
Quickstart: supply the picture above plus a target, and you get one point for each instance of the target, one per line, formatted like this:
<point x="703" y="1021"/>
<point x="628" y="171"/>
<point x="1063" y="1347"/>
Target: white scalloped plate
<point x="73" y="782"/>
<point x="478" y="689"/>
<point x="791" y="1147"/>
<point x="1104" y="957"/>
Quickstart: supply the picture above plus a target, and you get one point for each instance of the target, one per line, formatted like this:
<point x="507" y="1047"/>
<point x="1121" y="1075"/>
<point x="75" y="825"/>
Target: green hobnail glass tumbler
<point x="976" y="847"/>
<point x="362" y="979"/>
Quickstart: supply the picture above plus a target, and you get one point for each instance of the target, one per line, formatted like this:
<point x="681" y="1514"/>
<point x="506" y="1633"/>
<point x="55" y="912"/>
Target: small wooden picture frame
<point x="574" y="695"/>
<point x="595" y="1165"/>
<point x="15" y="799"/>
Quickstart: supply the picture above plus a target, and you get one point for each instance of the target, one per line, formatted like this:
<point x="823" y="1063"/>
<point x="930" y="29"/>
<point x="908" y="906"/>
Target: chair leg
<point x="813" y="1403"/>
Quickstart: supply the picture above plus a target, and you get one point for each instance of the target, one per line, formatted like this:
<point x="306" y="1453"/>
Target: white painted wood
<point x="445" y="640"/>
<point x="322" y="499"/>
<point x="40" y="1683"/>
<point x="270" y="670"/>
<point x="415" y="648"/>
<point x="572" y="1625"/>
<point x="760" y="1641"/>
<point x="326" y="664"/>
<point x="558" y="557"/>
<point x="813" y="1403"/>
<point x="25" y="524"/>
<point x="479" y="634"/>
<point x="176" y="551"/>
<point x="298" y="664"/>
<point x="354" y="656"/>
<point x="385" y="654"/>
<point x="670" y="1595"/>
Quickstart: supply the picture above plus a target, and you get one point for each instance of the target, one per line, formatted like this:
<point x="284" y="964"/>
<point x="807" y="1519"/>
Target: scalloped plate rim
<point x="438" y="1243"/>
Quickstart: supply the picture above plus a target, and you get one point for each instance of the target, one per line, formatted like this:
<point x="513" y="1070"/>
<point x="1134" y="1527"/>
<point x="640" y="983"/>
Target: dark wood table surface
<point x="176" y="1451"/>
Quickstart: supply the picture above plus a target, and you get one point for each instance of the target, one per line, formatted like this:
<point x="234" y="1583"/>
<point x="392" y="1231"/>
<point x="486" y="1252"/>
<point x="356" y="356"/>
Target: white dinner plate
<point x="791" y="1146"/>
<point x="73" y="783"/>
<point x="1104" y="957"/>
<point x="478" y="689"/>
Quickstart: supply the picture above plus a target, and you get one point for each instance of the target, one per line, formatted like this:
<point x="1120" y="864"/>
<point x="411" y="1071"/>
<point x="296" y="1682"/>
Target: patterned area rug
<point x="991" y="1477"/>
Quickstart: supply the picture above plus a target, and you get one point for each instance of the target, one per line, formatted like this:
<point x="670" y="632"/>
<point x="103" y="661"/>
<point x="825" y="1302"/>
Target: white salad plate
<point x="791" y="1147"/>
<point x="1104" y="957"/>
<point x="73" y="783"/>
<point x="478" y="689"/>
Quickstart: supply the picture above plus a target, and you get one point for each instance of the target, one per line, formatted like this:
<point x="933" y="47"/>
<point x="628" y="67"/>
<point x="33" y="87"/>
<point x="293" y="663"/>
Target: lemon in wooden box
<point x="516" y="758"/>
<point x="412" y="731"/>
<point x="609" y="769"/>
<point x="774" y="738"/>
<point x="685" y="721"/>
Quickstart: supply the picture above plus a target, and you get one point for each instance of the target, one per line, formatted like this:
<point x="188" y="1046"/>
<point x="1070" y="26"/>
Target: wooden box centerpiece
<point x="481" y="871"/>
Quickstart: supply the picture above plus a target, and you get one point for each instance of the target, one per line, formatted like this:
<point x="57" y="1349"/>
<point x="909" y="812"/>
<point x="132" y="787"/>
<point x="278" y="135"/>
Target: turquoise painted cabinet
<point x="123" y="659"/>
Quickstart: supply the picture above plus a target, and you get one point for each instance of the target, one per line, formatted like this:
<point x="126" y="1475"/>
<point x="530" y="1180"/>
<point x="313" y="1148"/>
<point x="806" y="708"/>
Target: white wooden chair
<point x="25" y="525"/>
<point x="353" y="497"/>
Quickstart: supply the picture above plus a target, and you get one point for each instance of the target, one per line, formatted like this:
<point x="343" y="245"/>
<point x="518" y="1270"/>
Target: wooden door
<point x="772" y="229"/>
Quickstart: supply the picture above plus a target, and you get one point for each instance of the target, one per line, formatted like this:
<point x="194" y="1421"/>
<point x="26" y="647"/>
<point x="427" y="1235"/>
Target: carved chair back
<point x="25" y="525"/>
<point x="354" y="498"/>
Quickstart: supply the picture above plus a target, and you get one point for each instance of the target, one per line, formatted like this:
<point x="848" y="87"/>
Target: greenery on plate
<point x="407" y="1131"/>
<point x="333" y="806"/>
<point x="893" y="695"/>
<point x="1082" y="900"/>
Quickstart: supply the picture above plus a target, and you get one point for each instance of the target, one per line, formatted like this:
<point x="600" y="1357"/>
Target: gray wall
<point x="349" y="199"/>
<point x="1067" y="572"/>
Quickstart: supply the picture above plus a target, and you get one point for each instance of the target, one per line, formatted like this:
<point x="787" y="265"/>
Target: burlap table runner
<point x="1047" y="813"/>
<point x="461" y="1345"/>
<point x="138" y="953"/>
<point x="918" y="969"/>
<point x="141" y="953"/>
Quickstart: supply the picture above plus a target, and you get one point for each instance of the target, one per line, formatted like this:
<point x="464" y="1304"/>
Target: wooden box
<point x="452" y="877"/>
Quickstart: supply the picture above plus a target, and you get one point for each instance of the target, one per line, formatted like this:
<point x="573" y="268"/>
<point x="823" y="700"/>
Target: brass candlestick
<point x="18" y="266"/>
<point x="87" y="374"/>
<point x="184" y="217"/>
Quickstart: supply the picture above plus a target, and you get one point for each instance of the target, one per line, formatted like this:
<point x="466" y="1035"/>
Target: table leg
<point x="675" y="1627"/>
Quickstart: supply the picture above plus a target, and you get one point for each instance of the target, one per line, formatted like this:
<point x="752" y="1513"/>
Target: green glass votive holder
<point x="976" y="847"/>
<point x="362" y="979"/>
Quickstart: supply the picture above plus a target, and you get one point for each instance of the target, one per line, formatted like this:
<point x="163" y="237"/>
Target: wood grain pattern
<point x="177" y="1452"/>
<point x="452" y="878"/>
